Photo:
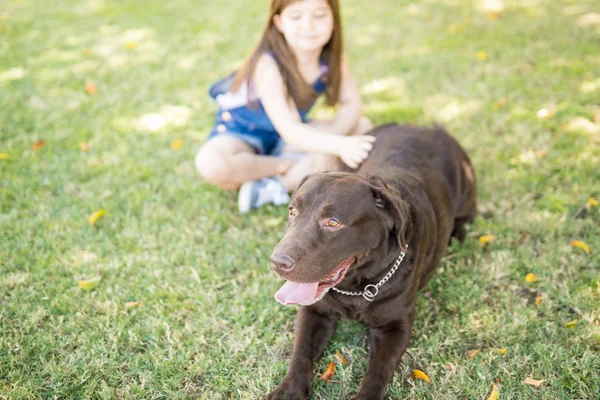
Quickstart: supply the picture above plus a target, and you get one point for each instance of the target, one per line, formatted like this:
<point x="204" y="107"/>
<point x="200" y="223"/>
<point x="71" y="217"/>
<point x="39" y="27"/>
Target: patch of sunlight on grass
<point x="392" y="85"/>
<point x="582" y="125"/>
<point x="589" y="86"/>
<point x="186" y="63"/>
<point x="89" y="7"/>
<point x="168" y="117"/>
<point x="498" y="264"/>
<point x="13" y="74"/>
<point x="56" y="55"/>
<point x="83" y="67"/>
<point x="445" y="108"/>
<point x="589" y="19"/>
<point x="369" y="35"/>
<point x="490" y="6"/>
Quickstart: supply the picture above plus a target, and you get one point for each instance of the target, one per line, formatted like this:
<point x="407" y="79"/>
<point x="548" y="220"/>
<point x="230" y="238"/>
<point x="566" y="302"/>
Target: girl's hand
<point x="355" y="149"/>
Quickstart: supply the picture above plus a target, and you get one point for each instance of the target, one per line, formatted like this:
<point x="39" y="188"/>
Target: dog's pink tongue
<point x="297" y="293"/>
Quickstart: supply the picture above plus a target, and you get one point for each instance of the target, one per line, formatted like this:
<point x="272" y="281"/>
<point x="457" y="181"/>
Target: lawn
<point x="103" y="105"/>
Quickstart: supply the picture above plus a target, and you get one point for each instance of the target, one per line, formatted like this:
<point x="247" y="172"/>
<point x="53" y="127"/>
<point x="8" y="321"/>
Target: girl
<point x="262" y="121"/>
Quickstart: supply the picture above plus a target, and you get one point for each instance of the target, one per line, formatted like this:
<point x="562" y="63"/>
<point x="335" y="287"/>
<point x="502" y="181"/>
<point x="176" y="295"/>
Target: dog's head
<point x="335" y="220"/>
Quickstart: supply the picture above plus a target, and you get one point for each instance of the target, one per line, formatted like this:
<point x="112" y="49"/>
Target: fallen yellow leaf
<point x="485" y="239"/>
<point x="176" y="145"/>
<point x="538" y="300"/>
<point x="495" y="393"/>
<point x="38" y="144"/>
<point x="502" y="351"/>
<point x="83" y="146"/>
<point x="571" y="324"/>
<point x="94" y="217"/>
<point x="530" y="277"/>
<point x="481" y="55"/>
<point x="582" y="245"/>
<point x="91" y="88"/>
<point x="500" y="104"/>
<point x="592" y="202"/>
<point x="341" y="357"/>
<point x="329" y="372"/>
<point x="3" y="156"/>
<point x="534" y="382"/>
<point x="418" y="374"/>
<point x="130" y="304"/>
<point x="472" y="353"/>
<point x="90" y="283"/>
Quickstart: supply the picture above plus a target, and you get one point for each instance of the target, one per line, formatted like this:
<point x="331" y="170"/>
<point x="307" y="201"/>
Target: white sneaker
<point x="254" y="194"/>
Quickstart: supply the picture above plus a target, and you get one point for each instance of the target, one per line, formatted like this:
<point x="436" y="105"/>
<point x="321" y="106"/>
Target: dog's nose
<point x="282" y="262"/>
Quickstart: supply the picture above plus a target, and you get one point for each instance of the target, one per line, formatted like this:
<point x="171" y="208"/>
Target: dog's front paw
<point x="288" y="390"/>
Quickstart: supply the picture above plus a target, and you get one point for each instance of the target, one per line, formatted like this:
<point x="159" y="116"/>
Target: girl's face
<point x="307" y="25"/>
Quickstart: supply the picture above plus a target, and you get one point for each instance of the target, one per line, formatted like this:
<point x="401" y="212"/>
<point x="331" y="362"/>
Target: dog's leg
<point x="313" y="331"/>
<point x="385" y="351"/>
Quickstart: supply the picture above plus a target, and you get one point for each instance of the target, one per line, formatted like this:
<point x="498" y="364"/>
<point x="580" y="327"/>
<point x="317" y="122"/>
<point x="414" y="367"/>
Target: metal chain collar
<point x="370" y="291"/>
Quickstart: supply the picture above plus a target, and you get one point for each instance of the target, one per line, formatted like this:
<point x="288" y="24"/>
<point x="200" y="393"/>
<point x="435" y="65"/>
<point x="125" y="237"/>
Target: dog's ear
<point x="300" y="184"/>
<point x="389" y="200"/>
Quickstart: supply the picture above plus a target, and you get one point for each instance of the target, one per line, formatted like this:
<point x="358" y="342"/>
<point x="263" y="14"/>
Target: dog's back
<point x="427" y="154"/>
<point x="439" y="173"/>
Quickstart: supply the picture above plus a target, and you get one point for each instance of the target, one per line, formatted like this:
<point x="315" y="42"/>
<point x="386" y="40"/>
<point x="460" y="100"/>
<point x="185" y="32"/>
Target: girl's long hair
<point x="273" y="41"/>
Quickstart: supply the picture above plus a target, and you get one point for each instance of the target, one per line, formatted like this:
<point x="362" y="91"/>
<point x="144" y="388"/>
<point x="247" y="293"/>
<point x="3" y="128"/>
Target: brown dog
<point x="360" y="246"/>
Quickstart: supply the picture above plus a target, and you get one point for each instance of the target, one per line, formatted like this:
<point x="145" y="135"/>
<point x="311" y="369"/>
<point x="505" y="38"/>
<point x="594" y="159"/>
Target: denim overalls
<point x="251" y="123"/>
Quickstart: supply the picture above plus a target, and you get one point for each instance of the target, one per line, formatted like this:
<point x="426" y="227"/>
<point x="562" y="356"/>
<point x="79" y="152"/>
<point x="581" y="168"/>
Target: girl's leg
<point x="319" y="162"/>
<point x="227" y="162"/>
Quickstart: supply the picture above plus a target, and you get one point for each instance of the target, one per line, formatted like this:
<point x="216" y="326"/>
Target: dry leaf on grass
<point x="500" y="104"/>
<point x="130" y="304"/>
<point x="485" y="239"/>
<point x="472" y="353"/>
<point x="538" y="300"/>
<point x="94" y="217"/>
<point x="533" y="382"/>
<point x="89" y="284"/>
<point x="329" y="372"/>
<point x="571" y="324"/>
<point x="495" y="393"/>
<point x="581" y="245"/>
<point x="176" y="145"/>
<point x="341" y="357"/>
<point x="90" y="88"/>
<point x="418" y="374"/>
<point x="38" y="144"/>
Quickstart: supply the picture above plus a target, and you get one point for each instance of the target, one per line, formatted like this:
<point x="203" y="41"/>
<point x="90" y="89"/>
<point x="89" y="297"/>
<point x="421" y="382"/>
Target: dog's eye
<point x="292" y="211"/>
<point x="333" y="223"/>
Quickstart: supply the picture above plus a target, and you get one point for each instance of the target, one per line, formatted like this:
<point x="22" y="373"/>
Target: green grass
<point x="208" y="326"/>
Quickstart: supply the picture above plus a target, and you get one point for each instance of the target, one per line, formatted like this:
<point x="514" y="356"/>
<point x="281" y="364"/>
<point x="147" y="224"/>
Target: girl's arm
<point x="284" y="115"/>
<point x="350" y="108"/>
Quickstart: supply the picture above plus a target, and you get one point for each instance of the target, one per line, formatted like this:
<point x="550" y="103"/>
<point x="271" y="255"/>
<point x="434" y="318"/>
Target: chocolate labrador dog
<point x="360" y="245"/>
